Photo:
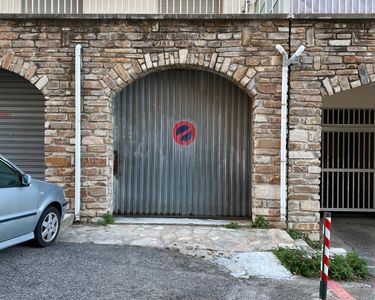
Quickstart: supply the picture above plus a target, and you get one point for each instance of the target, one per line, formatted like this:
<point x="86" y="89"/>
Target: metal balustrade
<point x="187" y="6"/>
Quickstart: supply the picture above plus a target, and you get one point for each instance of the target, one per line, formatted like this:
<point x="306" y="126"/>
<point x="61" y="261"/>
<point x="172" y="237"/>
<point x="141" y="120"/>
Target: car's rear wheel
<point x="48" y="227"/>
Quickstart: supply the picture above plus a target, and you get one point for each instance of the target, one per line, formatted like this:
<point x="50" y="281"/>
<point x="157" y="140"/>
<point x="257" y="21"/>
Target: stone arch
<point x="362" y="75"/>
<point x="123" y="74"/>
<point x="28" y="70"/>
<point x="171" y="108"/>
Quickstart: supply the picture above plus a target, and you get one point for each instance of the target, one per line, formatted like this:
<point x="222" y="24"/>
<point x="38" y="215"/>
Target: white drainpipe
<point x="284" y="120"/>
<point x="77" y="202"/>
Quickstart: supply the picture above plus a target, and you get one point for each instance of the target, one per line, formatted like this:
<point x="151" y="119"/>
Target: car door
<point x="18" y="204"/>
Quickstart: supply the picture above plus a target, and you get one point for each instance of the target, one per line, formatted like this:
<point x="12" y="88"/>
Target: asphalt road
<point x="88" y="271"/>
<point x="356" y="234"/>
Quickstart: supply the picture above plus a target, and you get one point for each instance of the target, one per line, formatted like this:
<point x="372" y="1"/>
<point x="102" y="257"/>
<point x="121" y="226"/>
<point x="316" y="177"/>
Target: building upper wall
<point x="183" y="7"/>
<point x="115" y="52"/>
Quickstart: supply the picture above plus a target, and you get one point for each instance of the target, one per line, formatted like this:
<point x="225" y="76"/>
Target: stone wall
<point x="117" y="52"/>
<point x="338" y="56"/>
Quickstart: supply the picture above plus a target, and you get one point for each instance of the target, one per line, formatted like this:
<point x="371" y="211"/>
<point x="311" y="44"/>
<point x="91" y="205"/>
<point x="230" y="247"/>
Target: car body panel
<point x="17" y="240"/>
<point x="21" y="207"/>
<point x="18" y="211"/>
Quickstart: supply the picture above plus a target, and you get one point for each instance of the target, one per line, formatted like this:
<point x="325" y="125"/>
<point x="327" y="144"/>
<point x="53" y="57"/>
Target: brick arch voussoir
<point x="122" y="74"/>
<point x="27" y="70"/>
<point x="339" y="83"/>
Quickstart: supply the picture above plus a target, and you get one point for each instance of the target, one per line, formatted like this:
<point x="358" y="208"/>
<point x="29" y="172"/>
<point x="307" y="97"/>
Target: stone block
<point x="278" y="35"/>
<point x="92" y="140"/>
<point x="224" y="36"/>
<point x="240" y="72"/>
<point x="313" y="206"/>
<point x="344" y="83"/>
<point x="42" y="82"/>
<point x="266" y="191"/>
<point x="328" y="87"/>
<point x="183" y="53"/>
<point x="298" y="135"/>
<point x="94" y="162"/>
<point x="363" y="75"/>
<point x="339" y="43"/>
<point x="57" y="162"/>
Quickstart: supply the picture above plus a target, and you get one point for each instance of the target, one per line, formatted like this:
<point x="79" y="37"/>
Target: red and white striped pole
<point x="326" y="244"/>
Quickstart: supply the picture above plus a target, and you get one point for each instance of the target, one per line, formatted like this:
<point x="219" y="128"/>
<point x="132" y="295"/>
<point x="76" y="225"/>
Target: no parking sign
<point x="184" y="133"/>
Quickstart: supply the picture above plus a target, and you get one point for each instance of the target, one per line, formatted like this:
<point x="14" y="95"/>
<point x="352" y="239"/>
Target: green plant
<point x="260" y="222"/>
<point x="107" y="219"/>
<point x="299" y="262"/>
<point x="339" y="268"/>
<point x="232" y="225"/>
<point x="350" y="267"/>
<point x="313" y="244"/>
<point x="296" y="234"/>
<point x="356" y="264"/>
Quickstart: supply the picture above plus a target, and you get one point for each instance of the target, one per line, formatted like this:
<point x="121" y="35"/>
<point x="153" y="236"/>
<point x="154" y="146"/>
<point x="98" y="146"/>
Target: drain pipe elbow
<point x="281" y="50"/>
<point x="77" y="201"/>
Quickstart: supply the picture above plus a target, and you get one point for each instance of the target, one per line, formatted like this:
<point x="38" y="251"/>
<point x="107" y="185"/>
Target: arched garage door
<point x="182" y="146"/>
<point x="22" y="123"/>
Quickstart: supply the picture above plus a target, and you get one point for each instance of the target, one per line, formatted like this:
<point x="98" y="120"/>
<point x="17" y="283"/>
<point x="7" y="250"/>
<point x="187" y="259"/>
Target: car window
<point x="8" y="177"/>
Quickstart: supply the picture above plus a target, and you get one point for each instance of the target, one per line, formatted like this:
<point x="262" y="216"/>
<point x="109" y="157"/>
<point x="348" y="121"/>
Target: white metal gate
<point x="348" y="160"/>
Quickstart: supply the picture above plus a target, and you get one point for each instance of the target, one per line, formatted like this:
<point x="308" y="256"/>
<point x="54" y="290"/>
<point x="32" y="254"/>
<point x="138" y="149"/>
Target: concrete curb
<point x="66" y="223"/>
<point x="179" y="221"/>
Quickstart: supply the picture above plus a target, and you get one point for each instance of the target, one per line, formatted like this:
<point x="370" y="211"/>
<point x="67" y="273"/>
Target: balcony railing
<point x="187" y="6"/>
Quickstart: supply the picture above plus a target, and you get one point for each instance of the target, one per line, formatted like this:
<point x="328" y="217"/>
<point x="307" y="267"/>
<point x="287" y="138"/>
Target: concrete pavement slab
<point x="259" y="264"/>
<point x="187" y="239"/>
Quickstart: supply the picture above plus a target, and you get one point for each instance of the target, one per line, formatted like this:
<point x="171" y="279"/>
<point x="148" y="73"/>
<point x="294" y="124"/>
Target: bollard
<point x="326" y="243"/>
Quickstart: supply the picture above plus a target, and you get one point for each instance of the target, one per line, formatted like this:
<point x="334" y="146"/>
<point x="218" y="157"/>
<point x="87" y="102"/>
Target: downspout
<point x="284" y="121"/>
<point x="77" y="202"/>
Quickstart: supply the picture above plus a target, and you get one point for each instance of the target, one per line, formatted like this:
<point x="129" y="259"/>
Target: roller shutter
<point x="22" y="123"/>
<point x="182" y="145"/>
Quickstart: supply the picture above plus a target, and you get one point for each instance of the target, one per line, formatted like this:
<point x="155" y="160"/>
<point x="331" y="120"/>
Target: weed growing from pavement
<point x="107" y="219"/>
<point x="296" y="234"/>
<point x="350" y="267"/>
<point x="232" y="225"/>
<point x="260" y="222"/>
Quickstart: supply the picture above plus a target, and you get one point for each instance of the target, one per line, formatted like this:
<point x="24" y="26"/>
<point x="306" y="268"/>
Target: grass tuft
<point x="232" y="225"/>
<point x="350" y="267"/>
<point x="107" y="219"/>
<point x="260" y="222"/>
<point x="296" y="234"/>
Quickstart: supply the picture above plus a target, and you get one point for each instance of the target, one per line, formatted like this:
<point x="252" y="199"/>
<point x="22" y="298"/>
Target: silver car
<point x="30" y="209"/>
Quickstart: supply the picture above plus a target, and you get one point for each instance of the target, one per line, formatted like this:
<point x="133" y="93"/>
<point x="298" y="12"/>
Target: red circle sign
<point x="184" y="133"/>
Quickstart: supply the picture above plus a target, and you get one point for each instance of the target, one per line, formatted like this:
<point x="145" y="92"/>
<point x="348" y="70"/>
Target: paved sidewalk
<point x="235" y="249"/>
<point x="187" y="239"/>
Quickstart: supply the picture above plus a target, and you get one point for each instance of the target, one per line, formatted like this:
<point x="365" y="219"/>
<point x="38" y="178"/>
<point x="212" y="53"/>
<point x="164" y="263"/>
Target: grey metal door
<point x="22" y="123"/>
<point x="182" y="145"/>
<point x="348" y="160"/>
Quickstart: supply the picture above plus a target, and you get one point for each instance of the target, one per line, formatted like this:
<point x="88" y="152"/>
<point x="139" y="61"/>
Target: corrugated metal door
<point x="166" y="171"/>
<point x="22" y="123"/>
<point x="348" y="160"/>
